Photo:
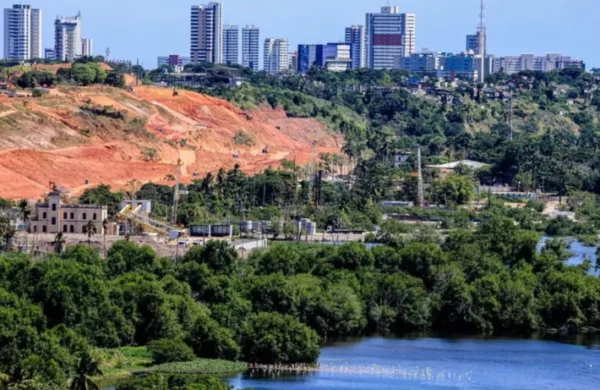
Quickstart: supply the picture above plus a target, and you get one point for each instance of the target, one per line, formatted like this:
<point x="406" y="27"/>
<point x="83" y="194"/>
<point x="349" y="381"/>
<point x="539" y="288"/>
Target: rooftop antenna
<point x="421" y="191"/>
<point x="107" y="53"/>
<point x="481" y="35"/>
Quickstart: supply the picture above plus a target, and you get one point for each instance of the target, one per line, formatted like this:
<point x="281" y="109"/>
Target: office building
<point x="419" y="63"/>
<point x="22" y="32"/>
<point x="462" y="65"/>
<point x="355" y="35"/>
<point x="293" y="58"/>
<point x="547" y="63"/>
<point x="67" y="38"/>
<point x="231" y="45"/>
<point x="87" y="47"/>
<point x="472" y="43"/>
<point x="389" y="34"/>
<point x="50" y="54"/>
<point x="337" y="57"/>
<point x="309" y="56"/>
<point x="207" y="33"/>
<point x="251" y="47"/>
<point x="276" y="52"/>
<point x="173" y="60"/>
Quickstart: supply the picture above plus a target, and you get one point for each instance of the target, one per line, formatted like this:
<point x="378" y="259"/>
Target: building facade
<point x="310" y="55"/>
<point x="389" y="34"/>
<point x="276" y="52"/>
<point x="173" y="60"/>
<point x="251" y="47"/>
<point x="207" y="33"/>
<point x="355" y="35"/>
<point x="337" y="57"/>
<point x="50" y="54"/>
<point x="22" y="32"/>
<point x="67" y="38"/>
<point x="547" y="63"/>
<point x="55" y="216"/>
<point x="472" y="43"/>
<point x="420" y="63"/>
<point x="462" y="65"/>
<point x="231" y="45"/>
<point x="87" y="47"/>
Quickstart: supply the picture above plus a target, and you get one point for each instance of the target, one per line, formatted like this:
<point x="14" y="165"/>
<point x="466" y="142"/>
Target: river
<point x="579" y="253"/>
<point x="431" y="363"/>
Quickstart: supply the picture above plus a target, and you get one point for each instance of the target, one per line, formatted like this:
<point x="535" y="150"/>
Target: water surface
<point x="428" y="363"/>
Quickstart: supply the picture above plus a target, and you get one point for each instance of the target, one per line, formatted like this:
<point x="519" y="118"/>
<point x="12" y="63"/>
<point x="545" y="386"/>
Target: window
<point x="72" y="229"/>
<point x="64" y="215"/>
<point x="95" y="217"/>
<point x="84" y="229"/>
<point x="72" y="215"/>
<point x="35" y="229"/>
<point x="64" y="228"/>
<point x="44" y="215"/>
<point x="54" y="207"/>
<point x="84" y="216"/>
<point x="53" y="220"/>
<point x="44" y="229"/>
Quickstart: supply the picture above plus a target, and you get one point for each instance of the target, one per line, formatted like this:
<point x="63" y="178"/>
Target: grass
<point x="122" y="362"/>
<point x="199" y="366"/>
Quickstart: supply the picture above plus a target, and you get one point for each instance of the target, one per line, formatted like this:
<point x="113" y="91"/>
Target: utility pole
<point x="176" y="193"/>
<point x="421" y="191"/>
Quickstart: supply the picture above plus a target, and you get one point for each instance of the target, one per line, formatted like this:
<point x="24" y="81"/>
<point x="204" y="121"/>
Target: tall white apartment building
<point x="207" y="33"/>
<point x="547" y="63"/>
<point x="355" y="36"/>
<point x="276" y="55"/>
<point x="67" y="38"/>
<point x="250" y="47"/>
<point x="231" y="44"/>
<point x="22" y="32"/>
<point x="87" y="47"/>
<point x="389" y="34"/>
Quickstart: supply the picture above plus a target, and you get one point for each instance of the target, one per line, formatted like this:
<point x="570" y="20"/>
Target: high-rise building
<point x="22" y="32"/>
<point x="207" y="33"/>
<point x="87" y="47"/>
<point x="293" y="61"/>
<point x="309" y="56"/>
<point x="276" y="54"/>
<point x="67" y="38"/>
<point x="250" y="47"/>
<point x="355" y="35"/>
<point x="389" y="34"/>
<point x="231" y="44"/>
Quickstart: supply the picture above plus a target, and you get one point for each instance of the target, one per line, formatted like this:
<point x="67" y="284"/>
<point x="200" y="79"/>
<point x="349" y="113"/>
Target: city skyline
<point x="442" y="26"/>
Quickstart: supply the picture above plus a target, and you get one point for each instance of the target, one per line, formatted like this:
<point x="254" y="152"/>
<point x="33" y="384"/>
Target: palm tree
<point x="90" y="231"/>
<point x="25" y="214"/>
<point x="86" y="368"/>
<point x="104" y="228"/>
<point x="58" y="243"/>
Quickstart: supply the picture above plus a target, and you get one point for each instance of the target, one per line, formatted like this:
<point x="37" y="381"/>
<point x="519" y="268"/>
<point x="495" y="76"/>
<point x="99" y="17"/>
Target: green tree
<point x="170" y="351"/>
<point x="271" y="338"/>
<point x="86" y="368"/>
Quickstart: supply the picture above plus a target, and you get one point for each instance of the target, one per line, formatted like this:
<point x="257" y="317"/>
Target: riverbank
<point x="123" y="362"/>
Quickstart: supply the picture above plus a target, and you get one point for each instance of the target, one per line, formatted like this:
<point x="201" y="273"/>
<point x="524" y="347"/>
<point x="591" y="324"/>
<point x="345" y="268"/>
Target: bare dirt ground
<point x="53" y="139"/>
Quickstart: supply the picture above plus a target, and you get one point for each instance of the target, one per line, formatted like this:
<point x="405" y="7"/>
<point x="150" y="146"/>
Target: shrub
<point x="243" y="138"/>
<point x="170" y="351"/>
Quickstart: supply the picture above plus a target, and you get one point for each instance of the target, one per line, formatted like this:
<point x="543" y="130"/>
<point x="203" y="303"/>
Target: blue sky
<point x="145" y="29"/>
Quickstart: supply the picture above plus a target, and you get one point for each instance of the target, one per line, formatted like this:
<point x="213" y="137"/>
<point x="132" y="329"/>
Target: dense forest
<point x="279" y="305"/>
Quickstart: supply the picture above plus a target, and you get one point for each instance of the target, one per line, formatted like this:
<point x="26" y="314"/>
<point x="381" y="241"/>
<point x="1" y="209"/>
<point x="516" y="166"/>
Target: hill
<point x="81" y="137"/>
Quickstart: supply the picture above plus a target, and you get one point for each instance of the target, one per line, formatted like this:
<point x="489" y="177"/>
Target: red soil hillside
<point x="110" y="136"/>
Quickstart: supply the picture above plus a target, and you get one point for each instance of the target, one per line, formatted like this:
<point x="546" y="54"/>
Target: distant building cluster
<point x="387" y="40"/>
<point x="23" y="36"/>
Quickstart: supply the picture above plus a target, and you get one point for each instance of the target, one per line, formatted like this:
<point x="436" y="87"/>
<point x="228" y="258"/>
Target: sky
<point x="145" y="29"/>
